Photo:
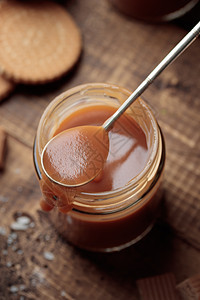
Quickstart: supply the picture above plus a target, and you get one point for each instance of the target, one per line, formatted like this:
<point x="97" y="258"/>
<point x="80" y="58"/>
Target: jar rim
<point x="80" y="89"/>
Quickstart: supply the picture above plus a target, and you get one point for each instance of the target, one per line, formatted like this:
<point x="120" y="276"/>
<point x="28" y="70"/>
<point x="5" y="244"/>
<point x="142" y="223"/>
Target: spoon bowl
<point x="75" y="156"/>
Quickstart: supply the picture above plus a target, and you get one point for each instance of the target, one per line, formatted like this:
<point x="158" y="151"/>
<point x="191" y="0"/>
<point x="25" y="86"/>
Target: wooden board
<point x="121" y="51"/>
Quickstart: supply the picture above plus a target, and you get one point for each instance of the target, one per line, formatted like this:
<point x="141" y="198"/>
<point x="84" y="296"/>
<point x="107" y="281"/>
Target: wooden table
<point x="123" y="51"/>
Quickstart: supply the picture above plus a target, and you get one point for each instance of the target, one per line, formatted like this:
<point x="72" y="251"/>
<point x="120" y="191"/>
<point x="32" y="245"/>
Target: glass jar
<point x="155" y="10"/>
<point x="111" y="220"/>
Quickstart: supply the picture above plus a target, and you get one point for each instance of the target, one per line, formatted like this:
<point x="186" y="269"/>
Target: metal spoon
<point x="84" y="167"/>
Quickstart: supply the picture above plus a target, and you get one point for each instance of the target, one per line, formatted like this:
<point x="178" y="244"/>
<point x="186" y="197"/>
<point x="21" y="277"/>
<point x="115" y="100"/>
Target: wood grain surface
<point x="35" y="263"/>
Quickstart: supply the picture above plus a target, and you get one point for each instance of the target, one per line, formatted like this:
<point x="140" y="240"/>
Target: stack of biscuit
<point x="39" y="41"/>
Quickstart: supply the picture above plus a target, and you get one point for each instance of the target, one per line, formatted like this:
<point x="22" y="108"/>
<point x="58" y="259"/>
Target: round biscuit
<point x="39" y="41"/>
<point x="6" y="87"/>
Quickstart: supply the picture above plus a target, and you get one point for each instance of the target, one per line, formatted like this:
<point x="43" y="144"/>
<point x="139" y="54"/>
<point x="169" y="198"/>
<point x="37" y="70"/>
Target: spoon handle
<point x="171" y="56"/>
